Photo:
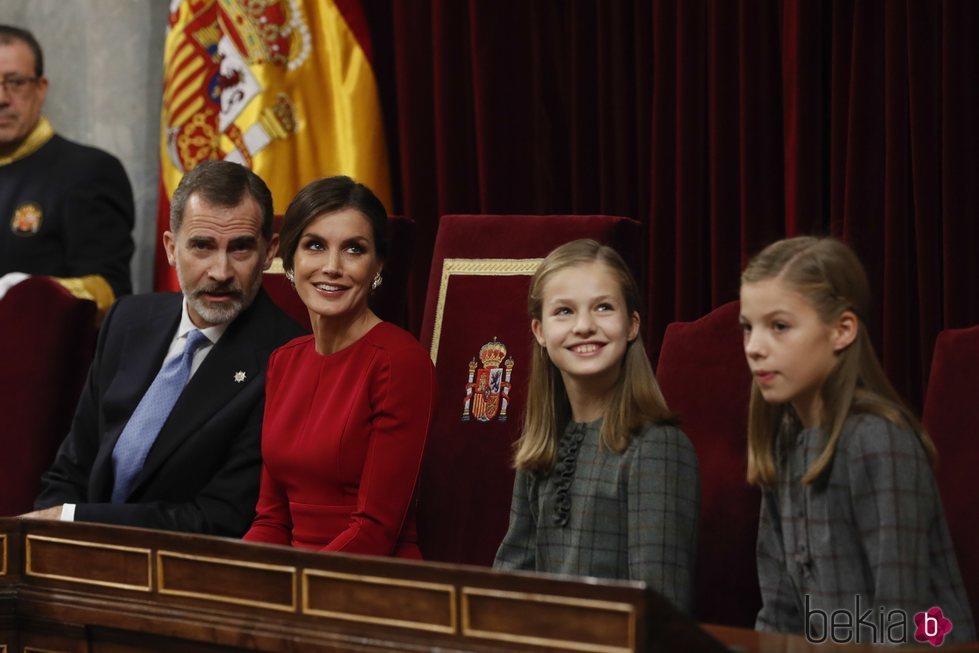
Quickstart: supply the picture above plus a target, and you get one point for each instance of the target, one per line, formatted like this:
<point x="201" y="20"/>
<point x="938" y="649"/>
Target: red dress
<point x="342" y="443"/>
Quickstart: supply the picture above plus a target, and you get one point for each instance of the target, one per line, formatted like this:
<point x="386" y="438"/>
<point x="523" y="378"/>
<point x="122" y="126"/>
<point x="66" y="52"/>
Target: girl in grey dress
<point x="852" y="529"/>
<point x="606" y="486"/>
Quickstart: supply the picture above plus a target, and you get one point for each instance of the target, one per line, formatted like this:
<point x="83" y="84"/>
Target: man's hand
<point x="54" y="512"/>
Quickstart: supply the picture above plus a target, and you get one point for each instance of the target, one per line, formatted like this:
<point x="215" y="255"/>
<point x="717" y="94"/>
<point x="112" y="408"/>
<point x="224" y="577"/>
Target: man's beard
<point x="219" y="312"/>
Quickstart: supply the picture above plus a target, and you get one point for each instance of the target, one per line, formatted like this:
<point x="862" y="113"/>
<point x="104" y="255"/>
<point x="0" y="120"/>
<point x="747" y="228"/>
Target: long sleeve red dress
<point x="342" y="442"/>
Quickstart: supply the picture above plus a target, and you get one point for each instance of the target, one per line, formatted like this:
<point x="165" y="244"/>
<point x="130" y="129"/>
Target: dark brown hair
<point x="330" y="195"/>
<point x="224" y="184"/>
<point x="10" y="34"/>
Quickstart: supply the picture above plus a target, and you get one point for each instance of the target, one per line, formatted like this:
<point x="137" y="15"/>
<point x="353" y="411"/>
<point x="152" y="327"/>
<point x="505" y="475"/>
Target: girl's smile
<point x="587" y="348"/>
<point x="585" y="325"/>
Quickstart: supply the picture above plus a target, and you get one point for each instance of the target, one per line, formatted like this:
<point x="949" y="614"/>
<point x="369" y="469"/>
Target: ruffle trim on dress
<point x="567" y="460"/>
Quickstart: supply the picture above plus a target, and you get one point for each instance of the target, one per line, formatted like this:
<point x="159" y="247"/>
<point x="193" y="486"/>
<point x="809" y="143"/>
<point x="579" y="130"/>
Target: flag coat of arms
<point x="284" y="87"/>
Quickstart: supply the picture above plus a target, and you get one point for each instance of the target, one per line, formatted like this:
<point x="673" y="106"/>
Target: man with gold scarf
<point x="66" y="209"/>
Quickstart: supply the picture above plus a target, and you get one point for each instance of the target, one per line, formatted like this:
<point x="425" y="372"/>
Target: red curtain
<point x="720" y="125"/>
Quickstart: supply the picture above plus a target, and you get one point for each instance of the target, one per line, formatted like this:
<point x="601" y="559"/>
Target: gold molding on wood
<point x="277" y="266"/>
<point x="567" y="645"/>
<point x="3" y="561"/>
<point x="32" y="649"/>
<point x="29" y="569"/>
<point x="163" y="589"/>
<point x="475" y="267"/>
<point x="449" y="590"/>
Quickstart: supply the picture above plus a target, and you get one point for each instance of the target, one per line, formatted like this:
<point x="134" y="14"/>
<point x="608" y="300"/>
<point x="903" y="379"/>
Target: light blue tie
<point x="136" y="439"/>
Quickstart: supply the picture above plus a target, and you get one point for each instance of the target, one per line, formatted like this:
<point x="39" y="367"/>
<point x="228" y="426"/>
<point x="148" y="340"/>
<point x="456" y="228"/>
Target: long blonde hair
<point x="831" y="278"/>
<point x="636" y="397"/>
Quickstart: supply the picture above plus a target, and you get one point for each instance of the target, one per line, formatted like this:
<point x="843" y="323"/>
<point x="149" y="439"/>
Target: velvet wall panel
<point x="719" y="125"/>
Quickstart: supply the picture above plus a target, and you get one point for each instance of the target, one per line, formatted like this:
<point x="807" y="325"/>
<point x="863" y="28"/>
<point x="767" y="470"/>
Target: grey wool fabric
<point x="629" y="515"/>
<point x="872" y="526"/>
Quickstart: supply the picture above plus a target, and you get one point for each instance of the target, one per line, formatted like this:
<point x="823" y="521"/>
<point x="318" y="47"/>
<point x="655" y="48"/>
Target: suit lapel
<point x="234" y="363"/>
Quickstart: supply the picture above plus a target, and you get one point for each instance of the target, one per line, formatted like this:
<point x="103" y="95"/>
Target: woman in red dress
<point x="348" y="408"/>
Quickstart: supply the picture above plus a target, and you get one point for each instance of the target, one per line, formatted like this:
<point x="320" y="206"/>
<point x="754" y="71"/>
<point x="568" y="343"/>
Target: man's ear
<point x="846" y="330"/>
<point x="170" y="247"/>
<point x="271" y="252"/>
<point x="42" y="88"/>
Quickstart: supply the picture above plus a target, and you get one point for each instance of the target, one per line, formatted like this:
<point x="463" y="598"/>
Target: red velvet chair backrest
<point x="477" y="292"/>
<point x="47" y="340"/>
<point x="705" y="379"/>
<point x="951" y="417"/>
<point x="284" y="296"/>
<point x="389" y="302"/>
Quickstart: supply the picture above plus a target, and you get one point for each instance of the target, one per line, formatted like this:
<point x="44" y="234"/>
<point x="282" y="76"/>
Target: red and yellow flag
<point x="284" y="87"/>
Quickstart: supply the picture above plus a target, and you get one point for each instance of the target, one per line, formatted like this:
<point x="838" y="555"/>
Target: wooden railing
<point x="86" y="588"/>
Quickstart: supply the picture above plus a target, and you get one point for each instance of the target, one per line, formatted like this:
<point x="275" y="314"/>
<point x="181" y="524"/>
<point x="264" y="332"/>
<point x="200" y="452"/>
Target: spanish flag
<point x="284" y="87"/>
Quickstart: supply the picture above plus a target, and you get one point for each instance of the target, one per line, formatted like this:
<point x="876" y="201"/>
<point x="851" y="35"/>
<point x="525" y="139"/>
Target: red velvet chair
<point x="951" y="417"/>
<point x="389" y="301"/>
<point x="478" y="331"/>
<point x="705" y="379"/>
<point x="284" y="295"/>
<point x="47" y="340"/>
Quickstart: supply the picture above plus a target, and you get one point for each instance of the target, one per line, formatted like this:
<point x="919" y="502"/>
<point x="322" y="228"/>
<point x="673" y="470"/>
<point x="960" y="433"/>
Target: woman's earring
<point x="291" y="278"/>
<point x="376" y="282"/>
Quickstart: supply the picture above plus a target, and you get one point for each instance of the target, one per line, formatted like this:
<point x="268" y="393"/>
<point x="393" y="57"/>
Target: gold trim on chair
<point x="568" y="645"/>
<point x="161" y="580"/>
<point x="3" y="560"/>
<point x="92" y="287"/>
<point x="475" y="267"/>
<point x="29" y="564"/>
<point x="277" y="266"/>
<point x="449" y="590"/>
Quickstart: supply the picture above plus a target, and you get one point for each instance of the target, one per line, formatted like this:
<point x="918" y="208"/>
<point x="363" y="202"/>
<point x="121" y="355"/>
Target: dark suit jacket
<point x="202" y="472"/>
<point x="86" y="214"/>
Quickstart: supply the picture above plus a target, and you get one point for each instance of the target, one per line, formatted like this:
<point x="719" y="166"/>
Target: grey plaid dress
<point x="630" y="515"/>
<point x="873" y="527"/>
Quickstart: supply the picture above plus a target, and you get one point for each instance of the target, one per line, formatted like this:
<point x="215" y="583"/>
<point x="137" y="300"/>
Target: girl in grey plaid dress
<point x="851" y="519"/>
<point x="606" y="486"/>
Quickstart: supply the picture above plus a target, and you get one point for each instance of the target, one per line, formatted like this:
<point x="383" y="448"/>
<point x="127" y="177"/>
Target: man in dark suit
<point x="129" y="458"/>
<point x="66" y="209"/>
